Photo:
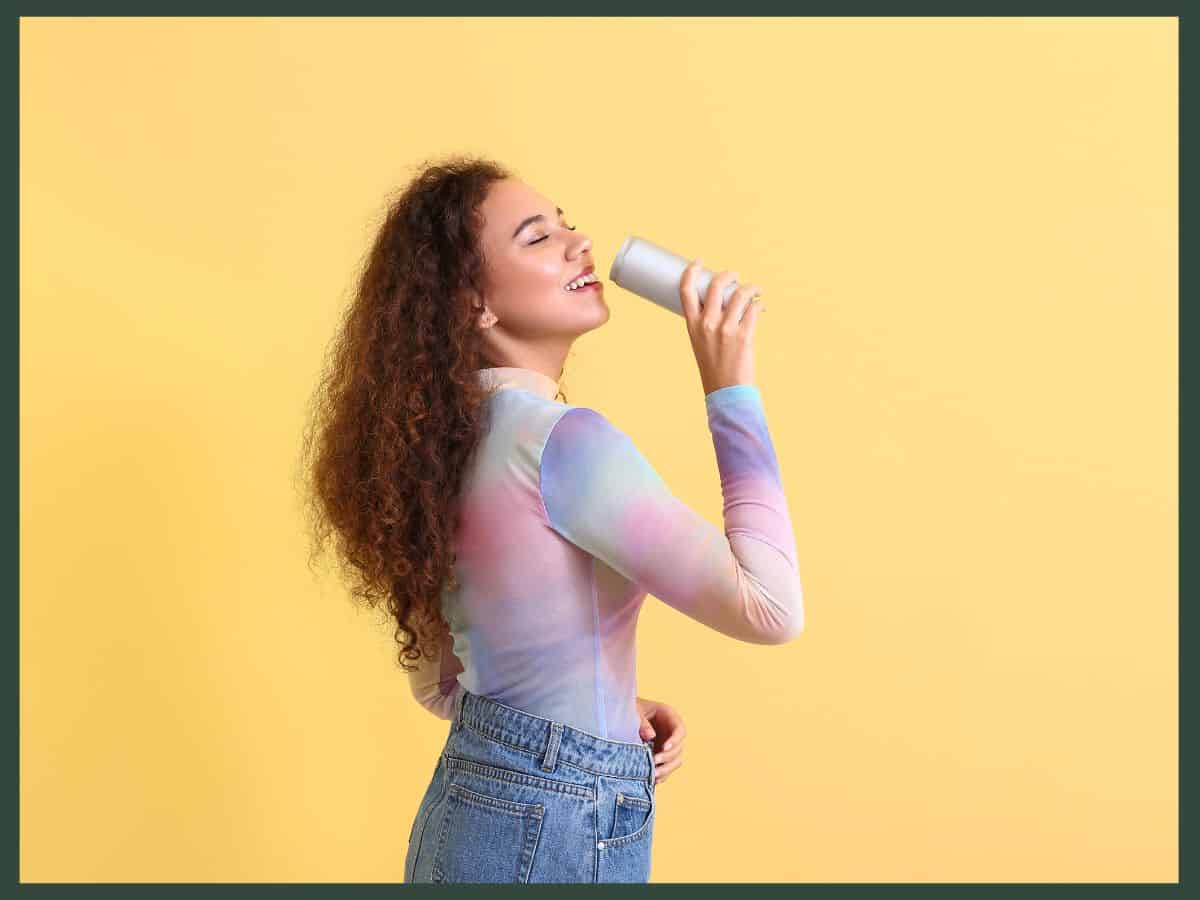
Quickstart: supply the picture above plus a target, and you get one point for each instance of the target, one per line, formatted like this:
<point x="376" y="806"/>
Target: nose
<point x="582" y="244"/>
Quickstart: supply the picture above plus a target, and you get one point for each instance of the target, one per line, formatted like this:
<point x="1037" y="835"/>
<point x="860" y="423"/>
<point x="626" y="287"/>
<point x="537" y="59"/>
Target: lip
<point x="580" y="274"/>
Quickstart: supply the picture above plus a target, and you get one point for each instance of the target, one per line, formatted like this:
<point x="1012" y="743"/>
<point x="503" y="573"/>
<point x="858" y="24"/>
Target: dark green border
<point x="559" y="9"/>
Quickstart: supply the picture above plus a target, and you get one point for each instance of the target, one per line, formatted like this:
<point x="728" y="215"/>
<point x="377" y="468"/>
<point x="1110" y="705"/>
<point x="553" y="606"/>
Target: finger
<point x="661" y="772"/>
<point x="750" y="319"/>
<point x="666" y="756"/>
<point x="676" y="730"/>
<point x="737" y="305"/>
<point x="676" y="738"/>
<point x="689" y="299"/>
<point x="711" y="317"/>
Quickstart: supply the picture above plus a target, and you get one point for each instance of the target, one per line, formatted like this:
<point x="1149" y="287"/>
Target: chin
<point x="604" y="318"/>
<point x="591" y="319"/>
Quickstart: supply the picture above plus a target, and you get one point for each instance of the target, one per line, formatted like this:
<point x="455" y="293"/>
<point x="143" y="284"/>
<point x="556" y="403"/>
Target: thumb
<point x="647" y="730"/>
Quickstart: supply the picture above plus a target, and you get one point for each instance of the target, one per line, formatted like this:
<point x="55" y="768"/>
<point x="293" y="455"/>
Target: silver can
<point x="654" y="273"/>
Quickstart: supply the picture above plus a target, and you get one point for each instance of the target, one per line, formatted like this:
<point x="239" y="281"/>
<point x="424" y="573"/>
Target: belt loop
<point x="550" y="759"/>
<point x="458" y="705"/>
<point x="649" y="745"/>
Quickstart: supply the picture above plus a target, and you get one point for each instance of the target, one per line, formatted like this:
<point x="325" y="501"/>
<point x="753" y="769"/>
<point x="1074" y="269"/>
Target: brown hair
<point x="398" y="414"/>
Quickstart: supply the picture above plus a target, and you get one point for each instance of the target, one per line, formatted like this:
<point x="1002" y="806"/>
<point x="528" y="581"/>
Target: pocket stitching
<point x="456" y="792"/>
<point x="641" y="832"/>
<point x="513" y="807"/>
<point x="636" y="801"/>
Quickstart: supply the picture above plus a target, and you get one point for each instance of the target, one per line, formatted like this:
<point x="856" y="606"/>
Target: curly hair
<point x="398" y="415"/>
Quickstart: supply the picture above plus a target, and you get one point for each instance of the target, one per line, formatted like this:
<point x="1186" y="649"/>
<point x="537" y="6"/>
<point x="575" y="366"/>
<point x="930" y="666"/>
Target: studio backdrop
<point x="965" y="230"/>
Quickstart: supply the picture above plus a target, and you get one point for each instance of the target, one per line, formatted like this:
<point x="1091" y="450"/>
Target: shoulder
<point x="585" y="445"/>
<point x="583" y="430"/>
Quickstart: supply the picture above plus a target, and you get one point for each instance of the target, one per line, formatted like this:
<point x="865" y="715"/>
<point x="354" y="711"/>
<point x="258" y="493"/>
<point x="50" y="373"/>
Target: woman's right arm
<point x="603" y="495"/>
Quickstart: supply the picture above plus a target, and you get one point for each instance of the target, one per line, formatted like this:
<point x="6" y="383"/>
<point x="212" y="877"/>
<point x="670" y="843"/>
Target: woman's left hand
<point x="665" y="726"/>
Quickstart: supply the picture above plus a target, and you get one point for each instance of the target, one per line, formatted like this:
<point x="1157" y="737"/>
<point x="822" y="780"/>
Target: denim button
<point x="600" y="845"/>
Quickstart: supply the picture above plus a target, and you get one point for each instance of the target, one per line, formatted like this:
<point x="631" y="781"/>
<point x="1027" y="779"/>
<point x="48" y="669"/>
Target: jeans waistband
<point x="553" y="741"/>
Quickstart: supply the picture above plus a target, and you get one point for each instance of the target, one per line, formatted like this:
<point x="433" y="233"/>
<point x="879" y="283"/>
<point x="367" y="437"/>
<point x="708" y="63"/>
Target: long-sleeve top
<point x="566" y="528"/>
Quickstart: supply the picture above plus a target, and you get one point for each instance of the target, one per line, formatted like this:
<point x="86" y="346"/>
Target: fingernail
<point x="668" y="747"/>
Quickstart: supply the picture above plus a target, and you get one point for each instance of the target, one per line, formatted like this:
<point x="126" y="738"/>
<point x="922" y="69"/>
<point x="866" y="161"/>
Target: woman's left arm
<point x="662" y="723"/>
<point x="434" y="683"/>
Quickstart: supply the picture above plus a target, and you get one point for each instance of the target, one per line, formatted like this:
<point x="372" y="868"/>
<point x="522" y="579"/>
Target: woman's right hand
<point x="722" y="339"/>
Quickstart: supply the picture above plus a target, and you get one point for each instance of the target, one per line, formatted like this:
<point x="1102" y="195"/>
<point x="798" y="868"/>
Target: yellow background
<point x="965" y="230"/>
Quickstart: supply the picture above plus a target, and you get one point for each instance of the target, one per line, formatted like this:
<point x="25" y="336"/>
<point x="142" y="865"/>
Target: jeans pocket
<point x="485" y="839"/>
<point x="631" y="816"/>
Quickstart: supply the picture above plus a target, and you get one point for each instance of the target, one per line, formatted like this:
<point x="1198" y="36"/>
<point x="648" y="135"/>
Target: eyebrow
<point x="533" y="219"/>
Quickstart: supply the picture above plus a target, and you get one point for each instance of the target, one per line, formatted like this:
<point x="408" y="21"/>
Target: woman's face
<point x="531" y="252"/>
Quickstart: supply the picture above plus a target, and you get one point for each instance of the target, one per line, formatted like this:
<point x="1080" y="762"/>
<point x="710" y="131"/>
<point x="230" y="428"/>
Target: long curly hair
<point x="398" y="415"/>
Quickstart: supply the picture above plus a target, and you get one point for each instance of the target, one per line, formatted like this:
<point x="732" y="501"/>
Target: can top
<point x="614" y="271"/>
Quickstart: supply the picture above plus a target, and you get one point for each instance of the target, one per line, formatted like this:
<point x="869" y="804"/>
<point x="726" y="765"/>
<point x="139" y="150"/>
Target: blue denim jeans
<point x="518" y="798"/>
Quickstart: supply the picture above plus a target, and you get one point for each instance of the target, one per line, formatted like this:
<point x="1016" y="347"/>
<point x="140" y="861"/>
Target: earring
<point x="488" y="318"/>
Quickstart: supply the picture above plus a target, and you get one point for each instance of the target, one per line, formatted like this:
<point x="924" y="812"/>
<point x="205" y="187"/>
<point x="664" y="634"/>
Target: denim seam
<point x="497" y="773"/>
<point x="596" y="834"/>
<point x="444" y="777"/>
<point x="533" y="755"/>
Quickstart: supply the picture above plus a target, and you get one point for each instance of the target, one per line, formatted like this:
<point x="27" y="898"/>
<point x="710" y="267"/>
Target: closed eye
<point x="543" y="237"/>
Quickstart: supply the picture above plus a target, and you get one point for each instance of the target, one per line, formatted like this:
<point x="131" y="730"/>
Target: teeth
<point x="580" y="282"/>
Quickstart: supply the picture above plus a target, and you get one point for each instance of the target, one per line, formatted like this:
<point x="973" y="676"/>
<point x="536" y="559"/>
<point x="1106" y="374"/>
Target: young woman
<point x="513" y="537"/>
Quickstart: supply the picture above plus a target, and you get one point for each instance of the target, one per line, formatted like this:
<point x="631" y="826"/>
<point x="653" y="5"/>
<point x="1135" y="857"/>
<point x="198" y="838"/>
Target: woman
<point x="513" y="537"/>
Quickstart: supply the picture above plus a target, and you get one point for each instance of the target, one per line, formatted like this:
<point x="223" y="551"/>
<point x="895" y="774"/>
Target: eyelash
<point x="543" y="237"/>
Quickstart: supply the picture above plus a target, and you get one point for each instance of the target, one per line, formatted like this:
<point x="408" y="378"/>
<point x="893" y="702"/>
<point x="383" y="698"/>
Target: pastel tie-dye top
<point x="566" y="528"/>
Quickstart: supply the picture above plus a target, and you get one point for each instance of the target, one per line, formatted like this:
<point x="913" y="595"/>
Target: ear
<point x="484" y="317"/>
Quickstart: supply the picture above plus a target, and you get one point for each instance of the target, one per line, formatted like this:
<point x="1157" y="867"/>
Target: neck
<point x="549" y="359"/>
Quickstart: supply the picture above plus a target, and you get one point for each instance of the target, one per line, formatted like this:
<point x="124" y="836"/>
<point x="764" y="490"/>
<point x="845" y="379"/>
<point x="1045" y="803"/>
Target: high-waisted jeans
<point x="520" y="798"/>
